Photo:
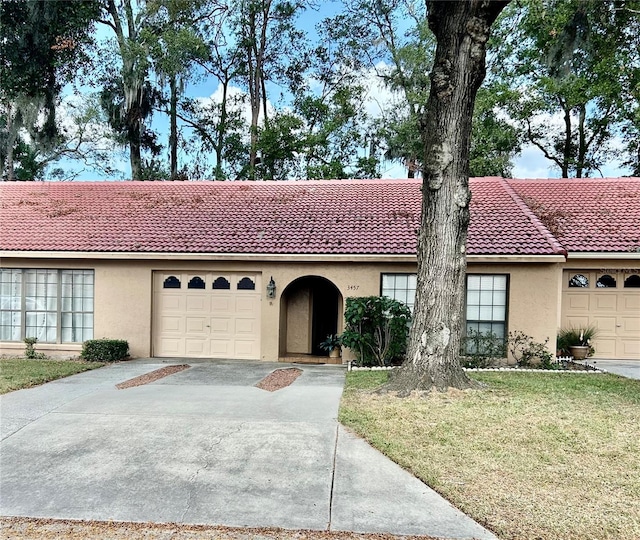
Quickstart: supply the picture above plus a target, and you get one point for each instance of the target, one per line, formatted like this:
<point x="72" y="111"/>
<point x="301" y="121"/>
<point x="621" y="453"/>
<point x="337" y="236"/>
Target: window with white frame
<point x="486" y="299"/>
<point x="54" y="306"/>
<point x="401" y="287"/>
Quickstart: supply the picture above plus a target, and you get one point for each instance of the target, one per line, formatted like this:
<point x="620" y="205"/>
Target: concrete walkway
<point x="205" y="446"/>
<point x="625" y="368"/>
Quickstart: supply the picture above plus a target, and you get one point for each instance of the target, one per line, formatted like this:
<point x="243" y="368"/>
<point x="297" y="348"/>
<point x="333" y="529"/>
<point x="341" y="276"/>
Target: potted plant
<point x="332" y="345"/>
<point x="577" y="341"/>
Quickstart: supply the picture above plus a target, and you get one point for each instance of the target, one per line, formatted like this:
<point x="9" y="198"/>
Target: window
<point x="221" y="283"/>
<point x="196" y="283"/>
<point x="54" y="306"/>
<point x="487" y="304"/>
<point x="400" y="287"/>
<point x="606" y="281"/>
<point x="633" y="281"/>
<point x="172" y="282"/>
<point x="579" y="281"/>
<point x="246" y="284"/>
<point x="486" y="299"/>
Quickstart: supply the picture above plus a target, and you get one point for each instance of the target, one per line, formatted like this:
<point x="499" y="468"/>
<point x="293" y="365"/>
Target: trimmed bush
<point x="30" y="351"/>
<point x="104" y="350"/>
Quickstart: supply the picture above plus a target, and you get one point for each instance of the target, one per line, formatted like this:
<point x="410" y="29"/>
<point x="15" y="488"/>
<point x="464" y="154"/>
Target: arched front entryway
<point x="310" y="309"/>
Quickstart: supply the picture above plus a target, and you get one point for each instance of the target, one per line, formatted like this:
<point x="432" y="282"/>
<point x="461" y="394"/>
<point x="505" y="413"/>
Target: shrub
<point x="527" y="352"/>
<point x="30" y="351"/>
<point x="376" y="329"/>
<point x="104" y="350"/>
<point x="482" y="349"/>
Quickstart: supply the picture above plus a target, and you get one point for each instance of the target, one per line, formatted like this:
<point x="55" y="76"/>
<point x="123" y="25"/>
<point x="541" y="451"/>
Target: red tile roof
<point x="312" y="217"/>
<point x="596" y="215"/>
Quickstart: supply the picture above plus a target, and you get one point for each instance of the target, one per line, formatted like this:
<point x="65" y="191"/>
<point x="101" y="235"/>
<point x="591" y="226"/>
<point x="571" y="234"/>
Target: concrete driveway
<point x="205" y="446"/>
<point x="624" y="368"/>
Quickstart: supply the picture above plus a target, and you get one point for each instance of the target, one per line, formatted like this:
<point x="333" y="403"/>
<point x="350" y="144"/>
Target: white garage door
<point x="206" y="315"/>
<point x="610" y="301"/>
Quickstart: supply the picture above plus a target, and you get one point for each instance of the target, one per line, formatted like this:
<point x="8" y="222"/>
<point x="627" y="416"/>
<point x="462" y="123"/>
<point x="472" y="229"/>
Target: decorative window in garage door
<point x="196" y="283"/>
<point x="221" y="283"/>
<point x="172" y="282"/>
<point x="632" y="282"/>
<point x="246" y="284"/>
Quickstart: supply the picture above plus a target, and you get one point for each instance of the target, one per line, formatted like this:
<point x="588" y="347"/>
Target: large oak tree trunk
<point x="461" y="30"/>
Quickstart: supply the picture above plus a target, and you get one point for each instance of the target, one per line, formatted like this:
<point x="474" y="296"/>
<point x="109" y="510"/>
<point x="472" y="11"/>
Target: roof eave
<point x="268" y="257"/>
<point x="608" y="255"/>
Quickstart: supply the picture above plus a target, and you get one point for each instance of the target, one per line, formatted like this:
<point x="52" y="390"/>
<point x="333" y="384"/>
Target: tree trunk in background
<point x="461" y="30"/>
<point x="173" y="131"/>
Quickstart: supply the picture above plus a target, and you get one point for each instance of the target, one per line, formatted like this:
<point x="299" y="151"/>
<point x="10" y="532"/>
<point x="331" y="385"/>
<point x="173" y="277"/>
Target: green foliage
<point x="376" y="329"/>
<point x="528" y="353"/>
<point x="577" y="60"/>
<point x="105" y="350"/>
<point x="41" y="47"/>
<point x="30" y="351"/>
<point x="482" y="349"/>
<point x="494" y="141"/>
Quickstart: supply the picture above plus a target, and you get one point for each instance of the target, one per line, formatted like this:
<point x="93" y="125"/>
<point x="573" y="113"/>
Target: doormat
<point x="280" y="378"/>
<point x="152" y="376"/>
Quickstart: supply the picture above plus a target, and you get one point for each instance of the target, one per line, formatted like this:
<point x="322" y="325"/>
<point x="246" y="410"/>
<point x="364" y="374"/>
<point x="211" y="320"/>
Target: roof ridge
<point x="553" y="241"/>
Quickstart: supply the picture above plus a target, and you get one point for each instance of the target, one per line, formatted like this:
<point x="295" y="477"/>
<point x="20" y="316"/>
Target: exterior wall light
<point x="271" y="288"/>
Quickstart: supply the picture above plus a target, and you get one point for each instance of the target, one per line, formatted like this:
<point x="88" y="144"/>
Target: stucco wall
<point x="124" y="299"/>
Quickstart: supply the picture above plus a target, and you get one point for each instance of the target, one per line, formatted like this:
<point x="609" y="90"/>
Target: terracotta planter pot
<point x="335" y="353"/>
<point x="579" y="352"/>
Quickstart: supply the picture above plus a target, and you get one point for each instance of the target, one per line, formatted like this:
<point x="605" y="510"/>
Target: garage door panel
<point x="221" y="348"/>
<point x="195" y="347"/>
<point x="171" y="324"/>
<point x="631" y="302"/>
<point x="245" y="326"/>
<point x="222" y="304"/>
<point x="196" y="325"/>
<point x="605" y="347"/>
<point x="631" y="348"/>
<point x="221" y="326"/>
<point x="214" y="323"/>
<point x="246" y="304"/>
<point x="605" y="302"/>
<point x="172" y="347"/>
<point x="578" y="301"/>
<point x="631" y="325"/>
<point x="578" y="320"/>
<point x="197" y="303"/>
<point x="244" y="349"/>
<point x="171" y="303"/>
<point x="605" y="325"/>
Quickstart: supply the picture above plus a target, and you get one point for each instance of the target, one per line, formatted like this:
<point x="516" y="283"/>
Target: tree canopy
<point x="259" y="89"/>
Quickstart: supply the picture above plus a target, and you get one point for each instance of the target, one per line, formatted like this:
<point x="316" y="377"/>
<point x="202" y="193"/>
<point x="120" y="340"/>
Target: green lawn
<point x="22" y="373"/>
<point x="531" y="456"/>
